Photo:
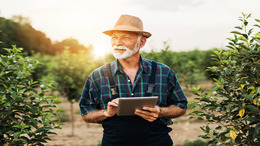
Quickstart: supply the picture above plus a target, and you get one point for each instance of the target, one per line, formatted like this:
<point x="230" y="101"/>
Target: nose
<point x="117" y="42"/>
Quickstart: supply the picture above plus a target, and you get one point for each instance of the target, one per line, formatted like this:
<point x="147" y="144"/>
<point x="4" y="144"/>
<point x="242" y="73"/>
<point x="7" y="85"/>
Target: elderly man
<point x="129" y="76"/>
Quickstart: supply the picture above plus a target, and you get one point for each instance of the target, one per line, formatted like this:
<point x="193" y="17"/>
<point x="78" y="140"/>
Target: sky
<point x="184" y="24"/>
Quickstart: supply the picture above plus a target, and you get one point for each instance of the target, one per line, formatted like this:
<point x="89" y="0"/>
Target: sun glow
<point x="100" y="50"/>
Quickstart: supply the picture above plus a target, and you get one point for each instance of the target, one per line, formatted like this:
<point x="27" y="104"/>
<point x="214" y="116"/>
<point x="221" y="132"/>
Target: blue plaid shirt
<point x="96" y="93"/>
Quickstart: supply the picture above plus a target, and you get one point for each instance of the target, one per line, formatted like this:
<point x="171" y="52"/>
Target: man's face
<point x="125" y="44"/>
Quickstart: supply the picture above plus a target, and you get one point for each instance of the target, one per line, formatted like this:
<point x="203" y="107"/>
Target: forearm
<point x="95" y="116"/>
<point x="171" y="111"/>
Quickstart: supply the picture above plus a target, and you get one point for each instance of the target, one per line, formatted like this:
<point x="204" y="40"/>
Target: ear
<point x="142" y="42"/>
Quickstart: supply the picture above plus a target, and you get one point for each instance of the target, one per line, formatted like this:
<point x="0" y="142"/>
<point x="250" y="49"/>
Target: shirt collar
<point x="144" y="66"/>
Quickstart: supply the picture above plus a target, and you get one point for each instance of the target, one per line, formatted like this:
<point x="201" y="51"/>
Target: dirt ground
<point x="90" y="134"/>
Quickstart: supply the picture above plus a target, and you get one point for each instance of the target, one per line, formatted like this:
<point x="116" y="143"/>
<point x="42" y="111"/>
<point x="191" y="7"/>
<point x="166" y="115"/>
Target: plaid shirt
<point x="96" y="93"/>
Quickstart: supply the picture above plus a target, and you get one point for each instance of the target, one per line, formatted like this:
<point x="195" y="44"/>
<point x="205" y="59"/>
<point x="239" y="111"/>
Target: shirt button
<point x="132" y="94"/>
<point x="129" y="81"/>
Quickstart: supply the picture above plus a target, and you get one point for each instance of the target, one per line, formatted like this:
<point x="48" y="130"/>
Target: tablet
<point x="128" y="105"/>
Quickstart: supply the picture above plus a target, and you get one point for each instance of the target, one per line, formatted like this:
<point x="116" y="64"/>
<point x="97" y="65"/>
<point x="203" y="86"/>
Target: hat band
<point x="126" y="28"/>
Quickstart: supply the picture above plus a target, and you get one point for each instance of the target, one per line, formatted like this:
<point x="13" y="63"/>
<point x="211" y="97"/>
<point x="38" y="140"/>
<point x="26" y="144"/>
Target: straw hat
<point x="129" y="23"/>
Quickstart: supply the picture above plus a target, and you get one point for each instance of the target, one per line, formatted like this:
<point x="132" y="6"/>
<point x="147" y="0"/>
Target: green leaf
<point x="257" y="128"/>
<point x="3" y="99"/>
<point x="35" y="91"/>
<point x="212" y="142"/>
<point x="17" y="134"/>
<point x="257" y="25"/>
<point x="52" y="133"/>
<point x="33" y="121"/>
<point x="5" y="86"/>
<point x="238" y="27"/>
<point x="10" y="132"/>
<point x="257" y="20"/>
<point x="17" y="126"/>
<point x="236" y="32"/>
<point x="252" y="108"/>
<point x="46" y="138"/>
<point x="253" y="120"/>
<point x="45" y="128"/>
<point x="245" y="23"/>
<point x="246" y="96"/>
<point x="250" y="31"/>
<point x="21" y="91"/>
<point x="23" y="126"/>
<point x="57" y="101"/>
<point x="249" y="15"/>
<point x="204" y="136"/>
<point x="246" y="37"/>
<point x="7" y="104"/>
<point x="1" y="74"/>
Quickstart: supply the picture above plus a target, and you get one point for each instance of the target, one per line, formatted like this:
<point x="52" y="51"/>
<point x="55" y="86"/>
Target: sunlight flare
<point x="100" y="50"/>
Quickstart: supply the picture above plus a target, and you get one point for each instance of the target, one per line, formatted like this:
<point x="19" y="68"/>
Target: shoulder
<point x="98" y="73"/>
<point x="160" y="66"/>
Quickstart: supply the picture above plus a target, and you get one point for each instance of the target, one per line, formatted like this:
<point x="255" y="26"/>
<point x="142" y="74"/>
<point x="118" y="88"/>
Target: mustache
<point x="120" y="47"/>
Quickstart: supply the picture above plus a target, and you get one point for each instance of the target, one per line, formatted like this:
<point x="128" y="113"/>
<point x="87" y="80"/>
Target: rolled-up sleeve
<point x="176" y="94"/>
<point x="89" y="98"/>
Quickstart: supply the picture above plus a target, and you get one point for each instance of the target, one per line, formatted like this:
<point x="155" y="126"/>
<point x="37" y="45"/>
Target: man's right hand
<point x="111" y="108"/>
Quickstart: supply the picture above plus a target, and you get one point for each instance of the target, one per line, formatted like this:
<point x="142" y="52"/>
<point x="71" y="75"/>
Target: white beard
<point x="128" y="53"/>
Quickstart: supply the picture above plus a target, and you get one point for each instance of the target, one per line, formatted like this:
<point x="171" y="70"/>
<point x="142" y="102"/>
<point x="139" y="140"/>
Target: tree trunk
<point x="72" y="118"/>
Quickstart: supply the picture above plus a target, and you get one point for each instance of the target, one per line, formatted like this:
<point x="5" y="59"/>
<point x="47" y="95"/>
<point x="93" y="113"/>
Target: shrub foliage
<point x="234" y="104"/>
<point x="26" y="112"/>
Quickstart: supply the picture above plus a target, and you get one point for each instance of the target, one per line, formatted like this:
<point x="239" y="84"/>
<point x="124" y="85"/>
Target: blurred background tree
<point x="18" y="31"/>
<point x="70" y="72"/>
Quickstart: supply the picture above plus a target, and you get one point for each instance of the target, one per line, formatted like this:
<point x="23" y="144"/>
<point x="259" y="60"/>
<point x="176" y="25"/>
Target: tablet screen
<point x="128" y="105"/>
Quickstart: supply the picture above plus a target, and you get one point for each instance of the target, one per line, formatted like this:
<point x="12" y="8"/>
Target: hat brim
<point x="143" y="33"/>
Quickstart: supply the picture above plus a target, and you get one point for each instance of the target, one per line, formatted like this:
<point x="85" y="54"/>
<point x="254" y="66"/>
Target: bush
<point x="235" y="104"/>
<point x="26" y="111"/>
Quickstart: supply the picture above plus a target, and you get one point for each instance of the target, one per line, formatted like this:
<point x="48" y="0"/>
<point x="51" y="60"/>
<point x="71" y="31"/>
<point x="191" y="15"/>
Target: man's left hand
<point x="148" y="113"/>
